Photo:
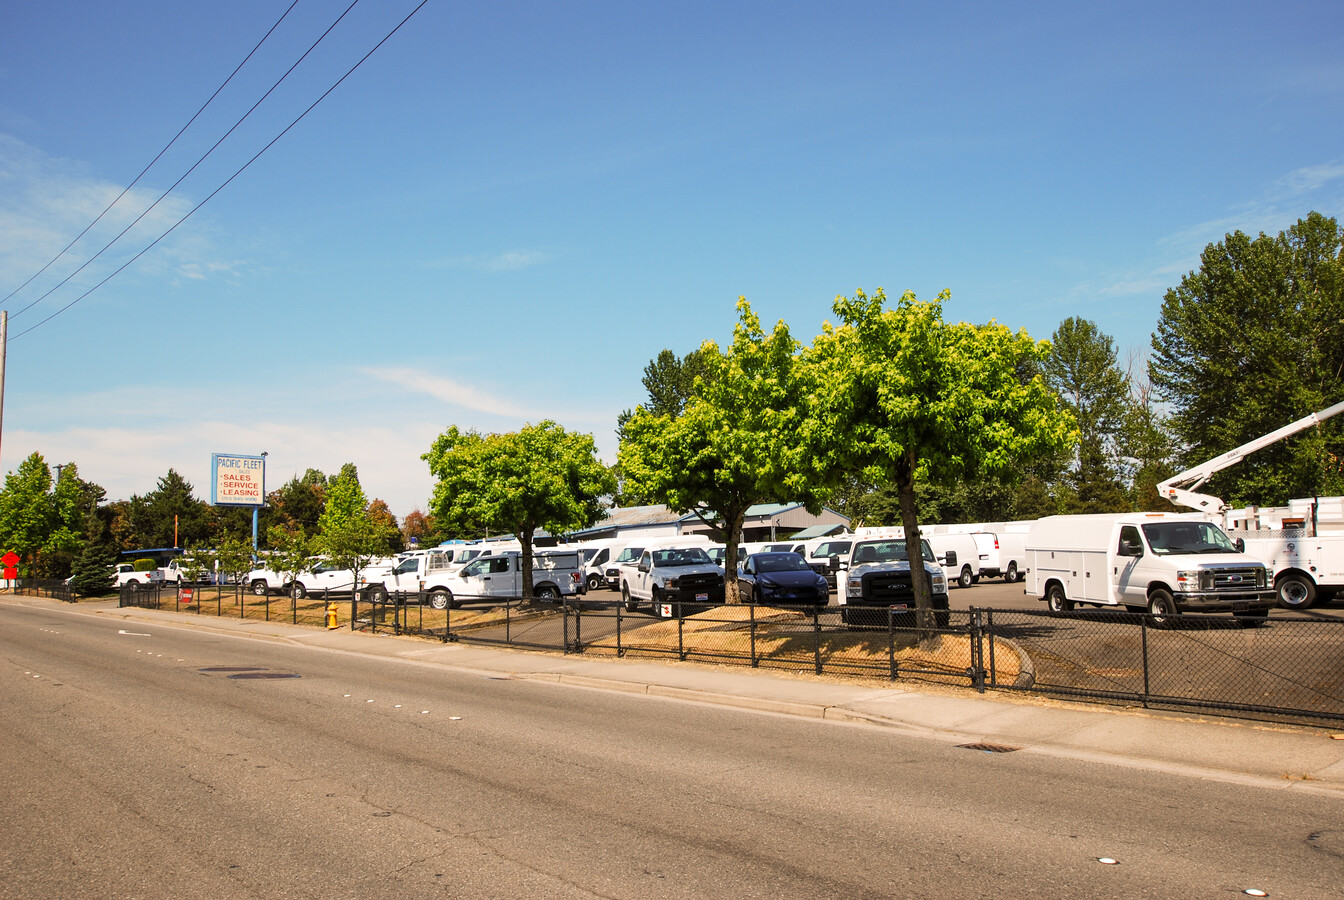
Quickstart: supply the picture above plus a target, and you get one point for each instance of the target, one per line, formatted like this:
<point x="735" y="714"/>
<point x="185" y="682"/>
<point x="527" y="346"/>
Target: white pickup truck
<point x="127" y="577"/>
<point x="442" y="583"/>
<point x="671" y="579"/>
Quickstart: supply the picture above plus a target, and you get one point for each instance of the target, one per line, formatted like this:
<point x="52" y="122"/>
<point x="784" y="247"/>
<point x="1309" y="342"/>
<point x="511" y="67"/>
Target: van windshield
<point x="629" y="554"/>
<point x="1184" y="538"/>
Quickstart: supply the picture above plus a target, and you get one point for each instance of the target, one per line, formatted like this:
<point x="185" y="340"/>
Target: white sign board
<point x="237" y="480"/>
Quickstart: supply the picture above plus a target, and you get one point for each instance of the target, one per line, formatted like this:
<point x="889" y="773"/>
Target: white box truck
<point x="1164" y="564"/>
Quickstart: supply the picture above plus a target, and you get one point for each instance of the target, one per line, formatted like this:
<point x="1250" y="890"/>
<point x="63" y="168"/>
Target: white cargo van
<point x="1162" y="563"/>
<point x="963" y="568"/>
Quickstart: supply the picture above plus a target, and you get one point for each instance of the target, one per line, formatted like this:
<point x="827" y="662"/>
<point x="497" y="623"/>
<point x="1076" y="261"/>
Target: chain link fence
<point x="1284" y="668"/>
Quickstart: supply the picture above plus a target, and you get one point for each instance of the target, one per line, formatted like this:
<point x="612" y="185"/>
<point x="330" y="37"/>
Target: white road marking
<point x="134" y="633"/>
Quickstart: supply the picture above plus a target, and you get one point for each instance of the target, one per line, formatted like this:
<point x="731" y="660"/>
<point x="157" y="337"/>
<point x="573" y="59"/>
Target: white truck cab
<point x="671" y="577"/>
<point x="877" y="580"/>
<point x="1164" y="564"/>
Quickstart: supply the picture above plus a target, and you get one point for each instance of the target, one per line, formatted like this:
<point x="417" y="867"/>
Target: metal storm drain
<point x="989" y="748"/>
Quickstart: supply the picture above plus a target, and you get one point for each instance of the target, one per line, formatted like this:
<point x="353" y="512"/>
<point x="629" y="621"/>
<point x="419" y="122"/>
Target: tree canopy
<point x="1250" y="342"/>
<point x="540" y="477"/>
<point x="902" y="393"/>
<point x="738" y="439"/>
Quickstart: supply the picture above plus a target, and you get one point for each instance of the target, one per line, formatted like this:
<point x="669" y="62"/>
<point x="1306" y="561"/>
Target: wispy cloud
<point x="510" y="261"/>
<point x="45" y="201"/>
<point x="453" y="392"/>
<point x="1312" y="178"/>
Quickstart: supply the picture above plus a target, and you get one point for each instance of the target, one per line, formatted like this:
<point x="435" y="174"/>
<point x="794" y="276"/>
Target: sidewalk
<point x="1274" y="756"/>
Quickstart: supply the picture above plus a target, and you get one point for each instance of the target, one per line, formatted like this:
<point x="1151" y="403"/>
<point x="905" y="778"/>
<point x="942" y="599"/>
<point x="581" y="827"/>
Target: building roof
<point x="817" y="531"/>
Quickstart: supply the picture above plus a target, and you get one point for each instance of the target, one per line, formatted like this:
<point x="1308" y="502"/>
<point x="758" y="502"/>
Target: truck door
<point x="499" y="577"/>
<point x="1126" y="586"/>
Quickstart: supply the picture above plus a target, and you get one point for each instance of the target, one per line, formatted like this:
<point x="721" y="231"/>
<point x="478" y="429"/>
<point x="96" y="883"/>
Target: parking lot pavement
<point x="1276" y="757"/>
<point x="995" y="594"/>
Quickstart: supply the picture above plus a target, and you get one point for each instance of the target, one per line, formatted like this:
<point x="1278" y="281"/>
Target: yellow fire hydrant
<point x="331" y="615"/>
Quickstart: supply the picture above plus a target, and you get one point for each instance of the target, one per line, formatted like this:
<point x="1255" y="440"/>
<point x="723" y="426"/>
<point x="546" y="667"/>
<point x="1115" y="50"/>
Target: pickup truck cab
<point x="555" y="575"/>
<point x="1164" y="564"/>
<point x="670" y="578"/>
<point x="877" y="580"/>
<point x="129" y="578"/>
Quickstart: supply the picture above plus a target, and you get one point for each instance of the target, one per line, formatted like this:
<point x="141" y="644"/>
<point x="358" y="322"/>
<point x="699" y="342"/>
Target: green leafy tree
<point x="234" y="556"/>
<point x="27" y="512"/>
<point x="540" y="477"/>
<point x="385" y="524"/>
<point x="1081" y="368"/>
<point x="348" y="536"/>
<point x="900" y="393"/>
<point x="670" y="382"/>
<point x="291" y="553"/>
<point x="198" y="564"/>
<point x="91" y="571"/>
<point x="1250" y="342"/>
<point x="73" y="500"/>
<point x="737" y="442"/>
<point x="299" y="502"/>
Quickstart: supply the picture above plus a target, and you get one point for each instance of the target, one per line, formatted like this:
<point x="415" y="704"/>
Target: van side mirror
<point x="951" y="559"/>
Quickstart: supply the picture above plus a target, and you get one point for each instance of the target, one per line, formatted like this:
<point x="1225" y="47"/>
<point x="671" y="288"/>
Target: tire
<point x="657" y="600"/>
<point x="747" y="594"/>
<point x="1056" y="600"/>
<point x="297" y="590"/>
<point x="1010" y="574"/>
<point x="630" y="605"/>
<point x="966" y="578"/>
<point x="594" y="581"/>
<point x="259" y="588"/>
<point x="1162" y="608"/>
<point x="975" y="579"/>
<point x="132" y="585"/>
<point x="1296" y="591"/>
<point x="376" y="594"/>
<point x="548" y="592"/>
<point x="440" y="599"/>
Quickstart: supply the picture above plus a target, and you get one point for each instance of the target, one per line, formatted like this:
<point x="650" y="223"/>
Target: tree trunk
<point x="733" y="523"/>
<point x="914" y="547"/>
<point x="525" y="564"/>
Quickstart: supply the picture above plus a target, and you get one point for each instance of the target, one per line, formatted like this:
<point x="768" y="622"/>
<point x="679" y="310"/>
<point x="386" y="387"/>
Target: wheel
<point x="1056" y="600"/>
<point x="594" y="581"/>
<point x="657" y="596"/>
<point x="1010" y="574"/>
<point x="260" y="588"/>
<point x="298" y="591"/>
<point x="132" y="585"/>
<point x="548" y="592"/>
<point x="966" y="578"/>
<point x="630" y="605"/>
<point x="440" y="599"/>
<point x="376" y="594"/>
<point x="1296" y="591"/>
<point x="975" y="579"/>
<point x="749" y="596"/>
<point x="1162" y="608"/>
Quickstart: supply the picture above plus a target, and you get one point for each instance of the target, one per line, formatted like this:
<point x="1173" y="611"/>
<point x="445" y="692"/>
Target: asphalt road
<point x="140" y="765"/>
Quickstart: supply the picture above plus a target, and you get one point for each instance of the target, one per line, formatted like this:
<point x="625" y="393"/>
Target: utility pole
<point x="4" y="344"/>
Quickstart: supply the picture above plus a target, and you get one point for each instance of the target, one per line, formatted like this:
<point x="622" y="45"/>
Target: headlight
<point x="672" y="584"/>
<point x="1188" y="580"/>
<point x="940" y="582"/>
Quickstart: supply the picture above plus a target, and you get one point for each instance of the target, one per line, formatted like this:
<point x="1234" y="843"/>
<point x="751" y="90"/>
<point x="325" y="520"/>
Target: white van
<point x="596" y="556"/>
<point x="963" y="570"/>
<point x="829" y="557"/>
<point x="1161" y="563"/>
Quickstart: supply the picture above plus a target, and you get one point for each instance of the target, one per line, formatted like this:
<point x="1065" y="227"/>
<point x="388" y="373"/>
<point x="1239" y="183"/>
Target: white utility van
<point x="963" y="569"/>
<point x="1161" y="563"/>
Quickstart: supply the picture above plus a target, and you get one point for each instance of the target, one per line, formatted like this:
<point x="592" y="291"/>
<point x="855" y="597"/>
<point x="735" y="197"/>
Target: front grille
<point x="1238" y="579"/>
<point x="888" y="587"/>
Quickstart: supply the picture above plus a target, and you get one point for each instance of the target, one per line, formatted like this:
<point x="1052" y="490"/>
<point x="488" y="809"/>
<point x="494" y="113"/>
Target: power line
<point x="202" y="159"/>
<point x="166" y="146"/>
<point x="240" y="171"/>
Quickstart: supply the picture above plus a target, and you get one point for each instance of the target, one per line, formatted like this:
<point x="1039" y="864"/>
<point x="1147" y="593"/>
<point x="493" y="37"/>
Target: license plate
<point x="702" y="598"/>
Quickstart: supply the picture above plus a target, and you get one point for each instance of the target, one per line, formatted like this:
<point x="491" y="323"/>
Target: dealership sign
<point x="237" y="480"/>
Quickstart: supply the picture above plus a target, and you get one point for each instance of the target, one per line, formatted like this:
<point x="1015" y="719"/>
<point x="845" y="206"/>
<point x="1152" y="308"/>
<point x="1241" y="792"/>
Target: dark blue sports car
<point x="781" y="579"/>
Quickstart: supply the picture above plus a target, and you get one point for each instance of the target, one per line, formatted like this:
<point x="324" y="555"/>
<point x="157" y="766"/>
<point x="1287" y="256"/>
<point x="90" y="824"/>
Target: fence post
<point x="354" y="610"/>
<point x="752" y="608"/>
<point x="993" y="672"/>
<point x="508" y="623"/>
<point x="681" y="646"/>
<point x="293" y="608"/>
<point x="447" y="617"/>
<point x="978" y="650"/>
<point x="564" y="610"/>
<point x="891" y="641"/>
<point x="620" y="606"/>
<point x="1143" y="625"/>
<point x="816" y="638"/>
<point x="578" y="626"/>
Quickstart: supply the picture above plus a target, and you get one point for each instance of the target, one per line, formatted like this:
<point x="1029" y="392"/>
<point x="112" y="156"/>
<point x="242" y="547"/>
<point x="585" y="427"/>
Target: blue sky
<point x="511" y="207"/>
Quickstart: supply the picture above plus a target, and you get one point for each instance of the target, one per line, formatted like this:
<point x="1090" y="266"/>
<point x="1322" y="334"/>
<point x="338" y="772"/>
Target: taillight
<point x="996" y="542"/>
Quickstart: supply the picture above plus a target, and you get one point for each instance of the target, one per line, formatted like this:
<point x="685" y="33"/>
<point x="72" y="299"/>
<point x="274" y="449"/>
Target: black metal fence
<point x="44" y="587"/>
<point x="1284" y="668"/>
